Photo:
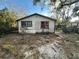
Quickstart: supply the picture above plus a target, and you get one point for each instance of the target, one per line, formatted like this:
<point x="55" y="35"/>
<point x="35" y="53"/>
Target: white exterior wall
<point x="36" y="24"/>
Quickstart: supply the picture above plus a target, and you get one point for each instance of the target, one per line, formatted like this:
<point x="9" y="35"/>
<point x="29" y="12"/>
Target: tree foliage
<point x="76" y="11"/>
<point x="61" y="8"/>
<point x="61" y="2"/>
<point x="7" y="20"/>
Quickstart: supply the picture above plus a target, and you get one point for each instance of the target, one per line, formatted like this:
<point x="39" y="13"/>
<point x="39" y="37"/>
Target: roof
<point x="38" y="15"/>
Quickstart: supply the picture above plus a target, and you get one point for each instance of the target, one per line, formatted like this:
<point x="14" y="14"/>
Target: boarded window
<point x="44" y="24"/>
<point x="26" y="24"/>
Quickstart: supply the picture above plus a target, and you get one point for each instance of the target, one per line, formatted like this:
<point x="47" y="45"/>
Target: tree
<point x="7" y="20"/>
<point x="76" y="11"/>
<point x="61" y="3"/>
<point x="59" y="7"/>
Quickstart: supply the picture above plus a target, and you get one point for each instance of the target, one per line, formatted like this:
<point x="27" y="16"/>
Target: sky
<point x="25" y="7"/>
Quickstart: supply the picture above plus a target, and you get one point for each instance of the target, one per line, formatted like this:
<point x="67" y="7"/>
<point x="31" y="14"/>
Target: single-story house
<point x="36" y="23"/>
<point x="76" y="25"/>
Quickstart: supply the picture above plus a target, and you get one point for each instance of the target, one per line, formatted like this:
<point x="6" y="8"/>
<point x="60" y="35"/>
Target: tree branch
<point x="64" y="4"/>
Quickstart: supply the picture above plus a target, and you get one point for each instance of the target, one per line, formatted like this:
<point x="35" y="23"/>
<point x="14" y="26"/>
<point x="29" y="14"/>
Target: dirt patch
<point x="13" y="45"/>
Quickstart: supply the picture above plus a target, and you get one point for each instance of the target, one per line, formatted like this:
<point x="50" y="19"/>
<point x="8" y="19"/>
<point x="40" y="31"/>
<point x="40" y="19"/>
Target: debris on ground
<point x="39" y="46"/>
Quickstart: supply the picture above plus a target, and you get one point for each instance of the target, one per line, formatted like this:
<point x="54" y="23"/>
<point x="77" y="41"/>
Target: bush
<point x="7" y="30"/>
<point x="73" y="29"/>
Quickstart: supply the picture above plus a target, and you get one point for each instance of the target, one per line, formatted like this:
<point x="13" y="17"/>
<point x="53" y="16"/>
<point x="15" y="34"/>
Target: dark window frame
<point x="26" y="24"/>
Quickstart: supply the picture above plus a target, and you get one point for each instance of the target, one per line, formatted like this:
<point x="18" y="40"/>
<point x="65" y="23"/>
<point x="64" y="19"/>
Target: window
<point x="26" y="24"/>
<point x="44" y="24"/>
<point x="23" y="24"/>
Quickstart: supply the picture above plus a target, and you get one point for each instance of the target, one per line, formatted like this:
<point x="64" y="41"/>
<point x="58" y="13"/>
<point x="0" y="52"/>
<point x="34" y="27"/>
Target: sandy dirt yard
<point x="14" y="46"/>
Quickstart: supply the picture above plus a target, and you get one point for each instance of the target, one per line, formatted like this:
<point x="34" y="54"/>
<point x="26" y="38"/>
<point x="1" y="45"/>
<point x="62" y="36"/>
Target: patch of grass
<point x="58" y="30"/>
<point x="11" y="48"/>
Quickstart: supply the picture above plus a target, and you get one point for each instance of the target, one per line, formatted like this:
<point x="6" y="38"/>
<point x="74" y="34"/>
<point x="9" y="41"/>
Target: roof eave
<point x="36" y="14"/>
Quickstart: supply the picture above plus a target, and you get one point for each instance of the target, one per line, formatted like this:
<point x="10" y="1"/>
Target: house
<point x="36" y="23"/>
<point x="75" y="25"/>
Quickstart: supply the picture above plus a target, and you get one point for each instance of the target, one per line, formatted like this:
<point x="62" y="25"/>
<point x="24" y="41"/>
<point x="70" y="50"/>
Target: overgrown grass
<point x="11" y="48"/>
